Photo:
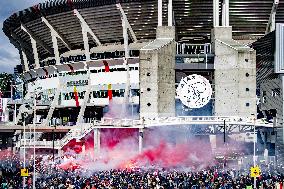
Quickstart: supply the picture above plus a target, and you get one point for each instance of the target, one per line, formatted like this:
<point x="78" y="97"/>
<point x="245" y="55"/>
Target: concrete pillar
<point x="170" y="13"/>
<point x="83" y="149"/>
<point x="141" y="136"/>
<point x="55" y="48"/>
<point x="213" y="142"/>
<point x="60" y="152"/>
<point x="126" y="50"/>
<point x="25" y="60"/>
<point x="86" y="42"/>
<point x="97" y="141"/>
<point x="235" y="75"/>
<point x="125" y="37"/>
<point x="157" y="75"/>
<point x="225" y="13"/>
<point x="215" y="13"/>
<point x="160" y="12"/>
<point x="36" y="59"/>
<point x="280" y="130"/>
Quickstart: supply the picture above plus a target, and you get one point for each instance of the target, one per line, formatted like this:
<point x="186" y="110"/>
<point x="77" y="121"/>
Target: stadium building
<point x="85" y="61"/>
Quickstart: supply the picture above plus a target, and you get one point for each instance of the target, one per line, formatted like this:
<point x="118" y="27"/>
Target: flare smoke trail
<point x="164" y="146"/>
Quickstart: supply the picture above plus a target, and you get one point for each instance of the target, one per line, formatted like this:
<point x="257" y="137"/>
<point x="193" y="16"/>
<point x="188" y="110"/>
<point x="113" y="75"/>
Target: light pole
<point x="254" y="149"/>
<point x="34" y="124"/>
<point x="24" y="135"/>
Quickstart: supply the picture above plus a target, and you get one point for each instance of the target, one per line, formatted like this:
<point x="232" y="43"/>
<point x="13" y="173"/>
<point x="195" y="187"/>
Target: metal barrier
<point x="188" y="48"/>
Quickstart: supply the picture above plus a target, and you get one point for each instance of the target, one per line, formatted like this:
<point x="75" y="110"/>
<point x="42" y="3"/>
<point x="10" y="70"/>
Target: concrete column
<point x="160" y="12"/>
<point x="83" y="149"/>
<point x="170" y="13"/>
<point x="273" y="26"/>
<point x="281" y="133"/>
<point x="227" y="7"/>
<point x="157" y="75"/>
<point x="234" y="75"/>
<point x="35" y="53"/>
<point x="141" y="136"/>
<point x="126" y="50"/>
<point x="213" y="142"/>
<point x="225" y="13"/>
<point x="97" y="141"/>
<point x="86" y="42"/>
<point x="215" y="13"/>
<point x="60" y="152"/>
<point x="125" y="37"/>
<point x="55" y="48"/>
<point x="25" y="60"/>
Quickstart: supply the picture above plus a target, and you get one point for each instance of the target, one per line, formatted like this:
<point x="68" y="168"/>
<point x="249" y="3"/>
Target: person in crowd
<point x="51" y="176"/>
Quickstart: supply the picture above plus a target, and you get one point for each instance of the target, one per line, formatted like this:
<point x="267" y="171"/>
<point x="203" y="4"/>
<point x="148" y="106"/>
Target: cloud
<point x="9" y="55"/>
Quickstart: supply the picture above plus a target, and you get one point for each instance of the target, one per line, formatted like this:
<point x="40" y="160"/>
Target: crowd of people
<point x="51" y="176"/>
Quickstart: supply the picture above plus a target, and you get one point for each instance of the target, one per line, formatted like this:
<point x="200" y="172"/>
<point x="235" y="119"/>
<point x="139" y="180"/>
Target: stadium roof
<point x="193" y="20"/>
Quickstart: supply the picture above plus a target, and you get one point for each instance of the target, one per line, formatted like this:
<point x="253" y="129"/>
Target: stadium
<point x="112" y="69"/>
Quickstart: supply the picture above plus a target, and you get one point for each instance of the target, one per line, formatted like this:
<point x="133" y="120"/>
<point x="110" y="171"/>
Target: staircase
<point x="76" y="133"/>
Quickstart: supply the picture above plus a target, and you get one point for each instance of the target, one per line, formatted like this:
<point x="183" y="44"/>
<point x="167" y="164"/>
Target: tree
<point x="5" y="83"/>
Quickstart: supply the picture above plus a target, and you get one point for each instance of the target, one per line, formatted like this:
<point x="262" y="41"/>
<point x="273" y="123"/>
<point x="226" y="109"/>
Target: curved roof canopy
<point x="193" y="20"/>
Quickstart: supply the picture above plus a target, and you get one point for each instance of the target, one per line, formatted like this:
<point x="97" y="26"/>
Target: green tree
<point x="5" y="82"/>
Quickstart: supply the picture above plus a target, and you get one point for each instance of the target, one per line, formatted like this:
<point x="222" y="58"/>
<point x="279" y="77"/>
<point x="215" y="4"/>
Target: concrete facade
<point x="157" y="75"/>
<point x="235" y="75"/>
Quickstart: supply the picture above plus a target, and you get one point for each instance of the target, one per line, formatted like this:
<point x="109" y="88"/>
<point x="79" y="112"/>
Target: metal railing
<point x="188" y="48"/>
<point x="79" y="131"/>
<point x="30" y="143"/>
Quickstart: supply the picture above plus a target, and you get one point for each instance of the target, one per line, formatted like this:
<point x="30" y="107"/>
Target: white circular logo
<point x="194" y="91"/>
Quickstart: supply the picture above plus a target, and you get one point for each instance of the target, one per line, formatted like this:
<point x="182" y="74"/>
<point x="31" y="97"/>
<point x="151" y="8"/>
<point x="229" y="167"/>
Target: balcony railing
<point x="194" y="49"/>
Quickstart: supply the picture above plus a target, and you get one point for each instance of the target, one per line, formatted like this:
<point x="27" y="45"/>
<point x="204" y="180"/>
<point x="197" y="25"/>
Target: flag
<point x="109" y="92"/>
<point x="76" y="96"/>
<point x="106" y="66"/>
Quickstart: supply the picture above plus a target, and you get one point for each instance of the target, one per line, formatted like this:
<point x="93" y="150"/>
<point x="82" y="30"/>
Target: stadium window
<point x="95" y="94"/>
<point x="121" y="92"/>
<point x="65" y="96"/>
<point x="120" y="69"/>
<point x="275" y="92"/>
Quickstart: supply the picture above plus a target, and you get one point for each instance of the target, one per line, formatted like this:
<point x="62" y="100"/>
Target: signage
<point x="194" y="91"/>
<point x="255" y="171"/>
<point x="77" y="83"/>
<point x="24" y="173"/>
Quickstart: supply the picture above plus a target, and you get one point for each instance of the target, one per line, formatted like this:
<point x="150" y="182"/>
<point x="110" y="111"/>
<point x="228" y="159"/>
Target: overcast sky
<point x="9" y="55"/>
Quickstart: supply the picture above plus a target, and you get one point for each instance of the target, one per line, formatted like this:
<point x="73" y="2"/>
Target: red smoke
<point x="110" y="138"/>
<point x="162" y="148"/>
<point x="169" y="155"/>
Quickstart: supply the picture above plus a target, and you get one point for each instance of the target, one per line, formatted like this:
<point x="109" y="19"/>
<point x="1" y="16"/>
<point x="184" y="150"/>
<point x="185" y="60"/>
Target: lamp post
<point x="254" y="149"/>
<point x="53" y="142"/>
<point x="24" y="136"/>
<point x="34" y="124"/>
